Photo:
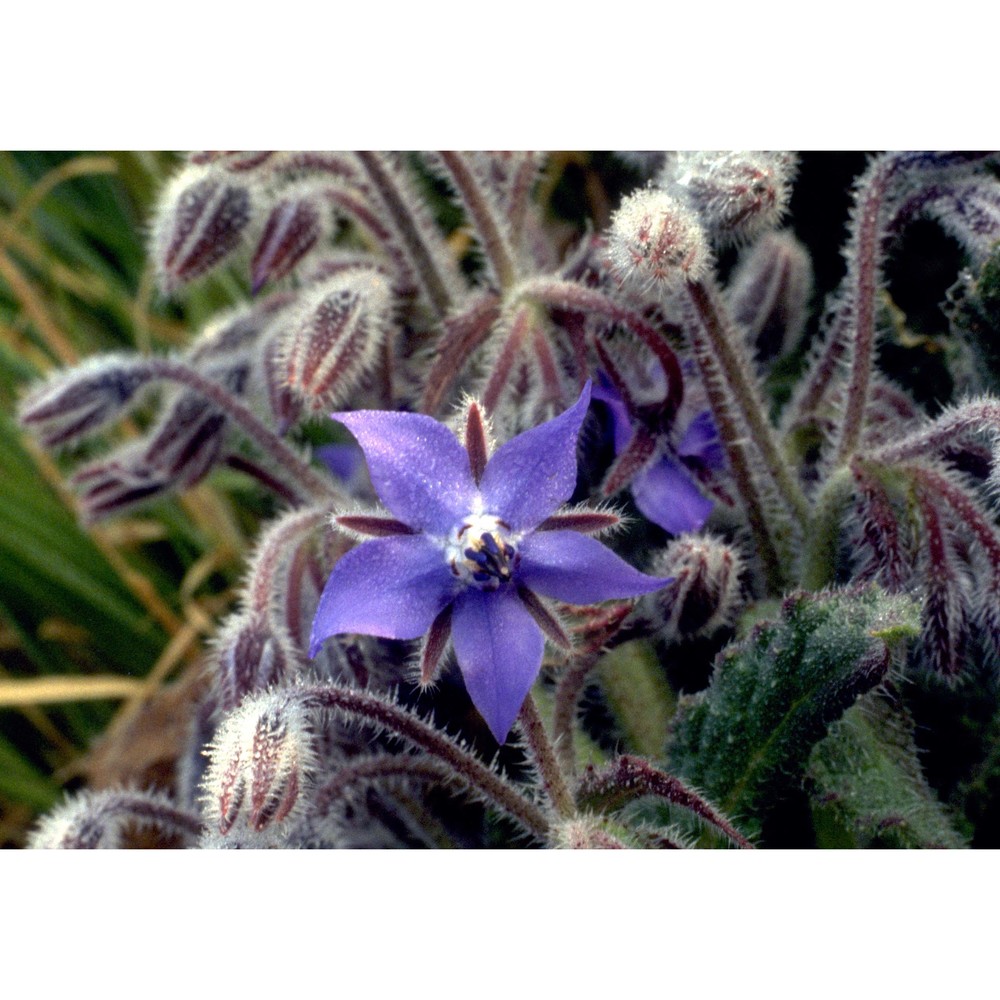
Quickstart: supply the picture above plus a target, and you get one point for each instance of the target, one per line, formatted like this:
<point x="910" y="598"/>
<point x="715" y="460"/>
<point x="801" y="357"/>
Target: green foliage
<point x="746" y="740"/>
<point x="50" y="563"/>
<point x="638" y="695"/>
<point x="867" y="781"/>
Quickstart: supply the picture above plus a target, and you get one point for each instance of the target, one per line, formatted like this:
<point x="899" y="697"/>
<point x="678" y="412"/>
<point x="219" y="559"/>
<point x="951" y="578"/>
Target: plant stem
<point x="545" y="758"/>
<point x="484" y="217"/>
<point x="734" y="443"/>
<point x="820" y="559"/>
<point x="407" y="225"/>
<point x="735" y="367"/>
<point x="361" y="704"/>
<point x="303" y="481"/>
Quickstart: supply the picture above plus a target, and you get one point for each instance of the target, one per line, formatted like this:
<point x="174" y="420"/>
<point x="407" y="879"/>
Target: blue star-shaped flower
<point x="473" y="544"/>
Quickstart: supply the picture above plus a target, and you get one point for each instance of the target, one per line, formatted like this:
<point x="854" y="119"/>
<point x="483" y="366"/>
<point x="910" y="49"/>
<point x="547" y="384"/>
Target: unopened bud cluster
<point x="706" y="590"/>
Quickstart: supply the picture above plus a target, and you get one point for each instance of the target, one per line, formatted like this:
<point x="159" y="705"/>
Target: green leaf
<point x="746" y="740"/>
<point x="20" y="782"/>
<point x="868" y="781"/>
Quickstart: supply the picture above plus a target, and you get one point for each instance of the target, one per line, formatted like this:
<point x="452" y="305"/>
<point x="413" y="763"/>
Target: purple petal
<point x="419" y="469"/>
<point x="621" y="426"/>
<point x="499" y="650"/>
<point x="343" y="460"/>
<point x="667" y="495"/>
<point x="393" y="587"/>
<point x="535" y="472"/>
<point x="578" y="569"/>
<point x="701" y="442"/>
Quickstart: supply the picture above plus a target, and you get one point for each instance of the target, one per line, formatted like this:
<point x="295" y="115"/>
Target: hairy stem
<point x="544" y="757"/>
<point x="414" y="240"/>
<point x="488" y="783"/>
<point x="462" y="335"/>
<point x="820" y="560"/>
<point x="296" y="475"/>
<point x="735" y="367"/>
<point x="577" y="298"/>
<point x="571" y="684"/>
<point x="734" y="443"/>
<point x="483" y="214"/>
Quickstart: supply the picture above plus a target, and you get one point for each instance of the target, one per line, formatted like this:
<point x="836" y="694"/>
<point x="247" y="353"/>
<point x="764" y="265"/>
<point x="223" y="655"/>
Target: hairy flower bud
<point x="654" y="240"/>
<point x="78" y="402"/>
<point x="769" y="293"/>
<point x="293" y="228"/>
<point x="200" y="222"/>
<point x="251" y="656"/>
<point x="95" y="820"/>
<point x="118" y="481"/>
<point x="260" y="761"/>
<point x="585" y="833"/>
<point x="736" y="194"/>
<point x="188" y="440"/>
<point x="705" y="593"/>
<point x="337" y="335"/>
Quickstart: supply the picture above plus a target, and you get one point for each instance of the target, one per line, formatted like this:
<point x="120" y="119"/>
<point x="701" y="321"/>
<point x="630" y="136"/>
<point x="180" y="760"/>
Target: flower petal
<point x="701" y="442"/>
<point x="535" y="472"/>
<point x="621" y="426"/>
<point x="499" y="650"/>
<point x="393" y="587"/>
<point x="419" y="469"/>
<point x="667" y="495"/>
<point x="578" y="569"/>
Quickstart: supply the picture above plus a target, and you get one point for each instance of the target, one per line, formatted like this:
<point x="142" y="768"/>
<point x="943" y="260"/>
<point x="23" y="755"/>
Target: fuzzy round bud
<point x="200" y="221"/>
<point x="259" y="763"/>
<point x="769" y="293"/>
<point x="336" y="336"/>
<point x="73" y="404"/>
<point x="654" y="241"/>
<point x="736" y="194"/>
<point x="705" y="592"/>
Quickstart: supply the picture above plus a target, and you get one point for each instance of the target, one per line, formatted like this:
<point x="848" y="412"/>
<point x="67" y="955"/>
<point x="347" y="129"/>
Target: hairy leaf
<point x="867" y="778"/>
<point x="745" y="741"/>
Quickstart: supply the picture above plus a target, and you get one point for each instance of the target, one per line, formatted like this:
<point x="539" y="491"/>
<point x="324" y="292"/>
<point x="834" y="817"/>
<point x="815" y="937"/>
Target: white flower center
<point x="481" y="551"/>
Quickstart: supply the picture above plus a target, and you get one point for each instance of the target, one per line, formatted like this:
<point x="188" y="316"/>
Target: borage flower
<point x="473" y="546"/>
<point x="664" y="486"/>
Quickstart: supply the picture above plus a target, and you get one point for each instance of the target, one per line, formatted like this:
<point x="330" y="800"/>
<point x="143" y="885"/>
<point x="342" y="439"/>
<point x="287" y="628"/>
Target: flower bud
<point x="187" y="441"/>
<point x="73" y="404"/>
<point x="105" y="819"/>
<point x="585" y="833"/>
<point x="251" y="656"/>
<point x="737" y="194"/>
<point x="200" y="222"/>
<point x="338" y="333"/>
<point x="654" y="240"/>
<point x="293" y="228"/>
<point x="705" y="593"/>
<point x="769" y="293"/>
<point x="260" y="762"/>
<point x="118" y="481"/>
